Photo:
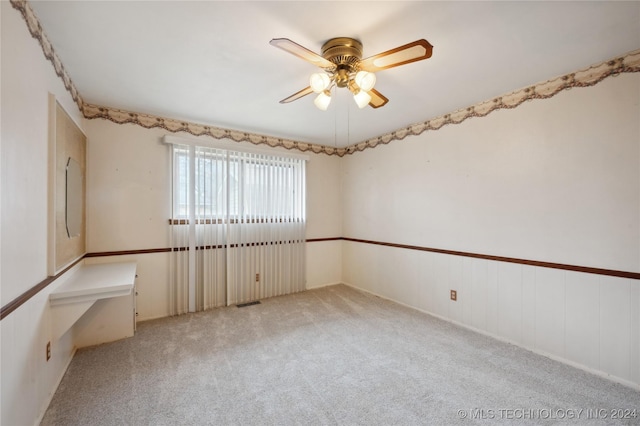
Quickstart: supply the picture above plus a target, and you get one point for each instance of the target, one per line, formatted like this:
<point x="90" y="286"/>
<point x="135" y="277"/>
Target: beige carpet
<point x="328" y="356"/>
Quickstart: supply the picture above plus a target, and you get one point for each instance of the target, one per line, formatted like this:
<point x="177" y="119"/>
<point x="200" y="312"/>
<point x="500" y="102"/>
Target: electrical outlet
<point x="257" y="278"/>
<point x="48" y="351"/>
<point x="454" y="295"/>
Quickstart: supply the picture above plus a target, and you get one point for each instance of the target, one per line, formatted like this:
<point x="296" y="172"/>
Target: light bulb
<point x="362" y="98"/>
<point x="319" y="82"/>
<point x="323" y="100"/>
<point x="365" y="80"/>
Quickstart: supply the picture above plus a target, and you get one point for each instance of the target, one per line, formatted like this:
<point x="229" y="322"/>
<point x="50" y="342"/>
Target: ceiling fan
<point x="343" y="66"/>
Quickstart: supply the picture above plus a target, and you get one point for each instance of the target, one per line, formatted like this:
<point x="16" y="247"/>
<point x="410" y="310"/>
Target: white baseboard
<point x="53" y="392"/>
<point x="151" y="318"/>
<point x="599" y="373"/>
<point x="322" y="286"/>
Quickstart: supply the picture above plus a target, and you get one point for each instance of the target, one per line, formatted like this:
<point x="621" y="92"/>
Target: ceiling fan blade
<point x="411" y="52"/>
<point x="297" y="95"/>
<point x="377" y="99"/>
<point x="301" y="52"/>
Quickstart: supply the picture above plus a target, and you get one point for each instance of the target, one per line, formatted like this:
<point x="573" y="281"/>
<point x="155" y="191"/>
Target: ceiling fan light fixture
<point x="323" y="100"/>
<point x="343" y="66"/>
<point x="319" y="82"/>
<point x="362" y="99"/>
<point x="365" y="80"/>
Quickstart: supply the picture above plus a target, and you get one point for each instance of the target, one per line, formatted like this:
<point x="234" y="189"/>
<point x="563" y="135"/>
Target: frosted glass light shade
<point x="323" y="100"/>
<point x="362" y="99"/>
<point x="319" y="82"/>
<point x="365" y="80"/>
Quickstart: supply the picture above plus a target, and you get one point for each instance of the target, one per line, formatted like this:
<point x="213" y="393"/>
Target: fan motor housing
<point x="342" y="51"/>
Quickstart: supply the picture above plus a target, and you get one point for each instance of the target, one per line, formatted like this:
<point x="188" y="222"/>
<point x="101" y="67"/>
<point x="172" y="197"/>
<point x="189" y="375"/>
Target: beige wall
<point x="554" y="180"/>
<point x="129" y="204"/>
<point x="28" y="380"/>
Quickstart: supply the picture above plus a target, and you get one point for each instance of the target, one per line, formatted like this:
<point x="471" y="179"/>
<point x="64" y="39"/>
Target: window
<point x="236" y="185"/>
<point x="238" y="226"/>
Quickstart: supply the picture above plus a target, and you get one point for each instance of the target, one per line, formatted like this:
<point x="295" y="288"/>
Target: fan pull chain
<point x="335" y="121"/>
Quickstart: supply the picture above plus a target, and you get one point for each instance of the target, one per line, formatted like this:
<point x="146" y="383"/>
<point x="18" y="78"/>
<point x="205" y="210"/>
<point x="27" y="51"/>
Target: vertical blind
<point x="238" y="227"/>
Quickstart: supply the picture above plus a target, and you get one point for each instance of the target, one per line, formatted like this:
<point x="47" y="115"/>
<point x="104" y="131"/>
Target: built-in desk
<point x="88" y="285"/>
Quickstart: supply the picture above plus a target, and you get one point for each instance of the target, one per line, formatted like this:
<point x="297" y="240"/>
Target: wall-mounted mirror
<point x="67" y="175"/>
<point x="73" y="215"/>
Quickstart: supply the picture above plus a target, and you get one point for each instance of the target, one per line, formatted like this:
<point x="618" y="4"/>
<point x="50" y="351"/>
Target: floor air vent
<point x="242" y="305"/>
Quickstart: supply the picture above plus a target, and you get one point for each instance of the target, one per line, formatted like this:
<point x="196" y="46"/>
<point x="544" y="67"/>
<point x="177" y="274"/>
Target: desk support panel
<point x="86" y="286"/>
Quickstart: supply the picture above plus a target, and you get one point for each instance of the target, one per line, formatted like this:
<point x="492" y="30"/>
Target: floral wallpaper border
<point x="627" y="63"/>
<point x="33" y="24"/>
<point x="593" y="75"/>
<point x="174" y="126"/>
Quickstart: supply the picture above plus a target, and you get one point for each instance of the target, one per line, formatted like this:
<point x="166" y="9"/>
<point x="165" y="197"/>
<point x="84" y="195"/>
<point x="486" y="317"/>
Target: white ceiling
<point x="210" y="62"/>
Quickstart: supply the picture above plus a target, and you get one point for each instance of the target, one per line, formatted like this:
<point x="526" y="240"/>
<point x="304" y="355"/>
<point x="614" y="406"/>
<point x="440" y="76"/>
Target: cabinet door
<point x="135" y="303"/>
